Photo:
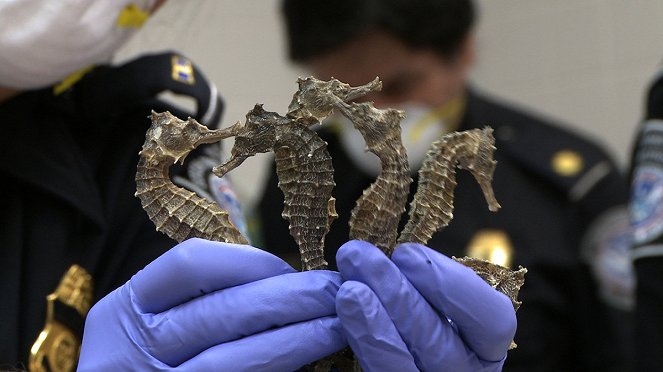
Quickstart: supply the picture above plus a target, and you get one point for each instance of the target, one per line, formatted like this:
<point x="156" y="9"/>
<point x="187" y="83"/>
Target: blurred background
<point x="586" y="63"/>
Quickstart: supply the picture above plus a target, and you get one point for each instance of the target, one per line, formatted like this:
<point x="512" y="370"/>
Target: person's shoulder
<point x="568" y="159"/>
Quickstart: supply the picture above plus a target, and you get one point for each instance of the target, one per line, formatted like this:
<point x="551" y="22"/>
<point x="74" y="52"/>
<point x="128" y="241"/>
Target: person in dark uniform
<point x="647" y="221"/>
<point x="74" y="235"/>
<point x="562" y="197"/>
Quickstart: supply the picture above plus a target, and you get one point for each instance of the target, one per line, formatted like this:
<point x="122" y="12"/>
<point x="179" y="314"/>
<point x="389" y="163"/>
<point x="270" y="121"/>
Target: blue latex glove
<point x="215" y="307"/>
<point x="420" y="311"/>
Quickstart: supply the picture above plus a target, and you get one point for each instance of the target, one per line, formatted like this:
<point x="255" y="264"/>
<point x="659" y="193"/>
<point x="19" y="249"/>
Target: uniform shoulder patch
<point x="646" y="208"/>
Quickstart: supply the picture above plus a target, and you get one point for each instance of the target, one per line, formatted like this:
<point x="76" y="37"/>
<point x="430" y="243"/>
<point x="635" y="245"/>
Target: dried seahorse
<point x="501" y="278"/>
<point x="179" y="213"/>
<point x="303" y="164"/>
<point x="377" y="212"/>
<point x="432" y="207"/>
<point x="305" y="173"/>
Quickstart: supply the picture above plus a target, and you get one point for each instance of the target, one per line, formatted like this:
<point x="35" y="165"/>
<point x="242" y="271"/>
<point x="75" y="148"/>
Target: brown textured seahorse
<point x="305" y="173"/>
<point x="499" y="277"/>
<point x="432" y="207"/>
<point x="177" y="212"/>
<point x="303" y="164"/>
<point x="377" y="212"/>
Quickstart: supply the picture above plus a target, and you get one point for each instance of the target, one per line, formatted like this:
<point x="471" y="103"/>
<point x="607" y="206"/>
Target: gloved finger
<point x="485" y="317"/>
<point x="282" y="349"/>
<point x="429" y="338"/>
<point x="180" y="333"/>
<point x="370" y="332"/>
<point x="195" y="267"/>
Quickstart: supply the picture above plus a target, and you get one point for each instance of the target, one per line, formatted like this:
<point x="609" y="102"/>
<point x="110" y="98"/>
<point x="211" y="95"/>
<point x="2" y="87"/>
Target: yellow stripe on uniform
<point x="70" y="80"/>
<point x="450" y="112"/>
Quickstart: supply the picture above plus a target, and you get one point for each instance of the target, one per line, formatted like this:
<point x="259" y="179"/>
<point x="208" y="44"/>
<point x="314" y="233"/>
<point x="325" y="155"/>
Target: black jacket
<point x="562" y="325"/>
<point x="647" y="220"/>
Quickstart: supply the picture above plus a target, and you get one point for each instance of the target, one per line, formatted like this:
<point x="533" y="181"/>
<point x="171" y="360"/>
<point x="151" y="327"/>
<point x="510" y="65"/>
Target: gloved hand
<point x="217" y="307"/>
<point x="420" y="311"/>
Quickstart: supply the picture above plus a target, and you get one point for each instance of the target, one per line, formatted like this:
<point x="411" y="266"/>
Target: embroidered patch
<point x="182" y="70"/>
<point x="606" y="248"/>
<point x="646" y="207"/>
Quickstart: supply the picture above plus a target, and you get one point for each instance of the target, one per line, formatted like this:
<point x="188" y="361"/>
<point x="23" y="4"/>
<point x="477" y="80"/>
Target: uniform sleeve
<point x="647" y="220"/>
<point x="646" y="210"/>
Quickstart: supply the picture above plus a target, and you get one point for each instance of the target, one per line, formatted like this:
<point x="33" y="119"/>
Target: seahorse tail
<point x="308" y="221"/>
<point x="179" y="213"/>
<point x="377" y="213"/>
<point x="433" y="203"/>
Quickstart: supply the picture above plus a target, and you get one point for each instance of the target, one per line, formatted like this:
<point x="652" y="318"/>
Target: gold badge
<point x="182" y="70"/>
<point x="57" y="347"/>
<point x="567" y="163"/>
<point x="491" y="245"/>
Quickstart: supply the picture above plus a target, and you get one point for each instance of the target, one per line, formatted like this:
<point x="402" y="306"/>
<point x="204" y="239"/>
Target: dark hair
<point x="314" y="27"/>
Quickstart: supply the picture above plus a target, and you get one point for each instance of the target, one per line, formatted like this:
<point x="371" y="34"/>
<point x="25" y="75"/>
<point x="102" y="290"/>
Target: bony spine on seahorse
<point x="177" y="212"/>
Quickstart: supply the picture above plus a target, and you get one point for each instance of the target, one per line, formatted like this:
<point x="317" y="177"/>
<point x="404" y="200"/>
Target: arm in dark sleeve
<point x="646" y="205"/>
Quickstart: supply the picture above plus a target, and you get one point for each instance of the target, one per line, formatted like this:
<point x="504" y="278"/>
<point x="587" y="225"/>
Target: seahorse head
<point x="479" y="161"/>
<point x="170" y="138"/>
<point x="258" y="133"/>
<point x="315" y="98"/>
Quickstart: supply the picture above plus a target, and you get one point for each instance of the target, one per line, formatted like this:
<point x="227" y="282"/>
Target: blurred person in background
<point x="563" y="200"/>
<point x="646" y="207"/>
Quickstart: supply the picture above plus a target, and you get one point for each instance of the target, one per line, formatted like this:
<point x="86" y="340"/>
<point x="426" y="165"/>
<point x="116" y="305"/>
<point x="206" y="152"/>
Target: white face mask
<point x="44" y="41"/>
<point x="420" y="127"/>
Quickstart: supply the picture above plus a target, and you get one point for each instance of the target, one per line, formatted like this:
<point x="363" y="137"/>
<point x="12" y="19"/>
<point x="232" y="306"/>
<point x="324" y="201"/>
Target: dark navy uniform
<point x="67" y="165"/>
<point x="552" y="186"/>
<point x="647" y="219"/>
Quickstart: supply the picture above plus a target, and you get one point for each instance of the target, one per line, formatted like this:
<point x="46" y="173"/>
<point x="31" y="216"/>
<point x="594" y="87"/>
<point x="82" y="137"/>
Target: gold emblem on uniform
<point x="491" y="245"/>
<point x="57" y="347"/>
<point x="567" y="163"/>
<point x="182" y="70"/>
